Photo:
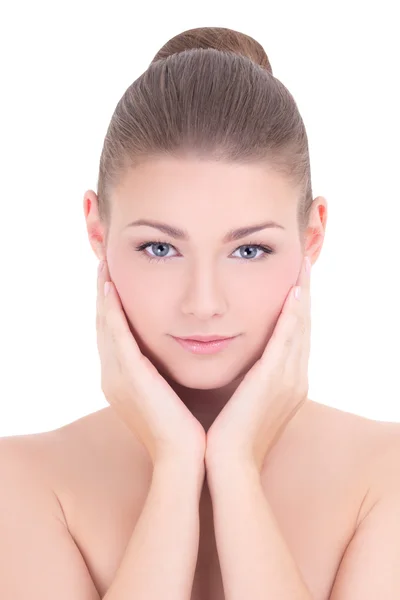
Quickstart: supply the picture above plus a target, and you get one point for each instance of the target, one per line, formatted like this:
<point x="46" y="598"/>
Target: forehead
<point x="198" y="189"/>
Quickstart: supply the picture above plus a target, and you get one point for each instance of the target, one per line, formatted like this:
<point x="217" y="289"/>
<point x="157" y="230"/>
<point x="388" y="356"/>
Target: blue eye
<point x="142" y="247"/>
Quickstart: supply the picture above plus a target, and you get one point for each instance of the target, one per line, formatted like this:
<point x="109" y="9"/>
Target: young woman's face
<point x="203" y="284"/>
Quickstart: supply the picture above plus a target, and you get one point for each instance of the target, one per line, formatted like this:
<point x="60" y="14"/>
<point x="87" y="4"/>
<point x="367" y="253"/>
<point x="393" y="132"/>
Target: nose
<point x="204" y="295"/>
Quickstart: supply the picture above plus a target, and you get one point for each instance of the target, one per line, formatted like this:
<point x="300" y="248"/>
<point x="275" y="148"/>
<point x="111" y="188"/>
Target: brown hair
<point x="208" y="92"/>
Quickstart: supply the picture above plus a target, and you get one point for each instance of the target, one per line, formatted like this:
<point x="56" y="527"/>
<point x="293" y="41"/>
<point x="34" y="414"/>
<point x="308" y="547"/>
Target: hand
<point x="272" y="391"/>
<point x="135" y="389"/>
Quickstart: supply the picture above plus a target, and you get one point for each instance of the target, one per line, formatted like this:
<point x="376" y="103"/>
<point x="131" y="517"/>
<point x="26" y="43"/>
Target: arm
<point x="160" y="559"/>
<point x="39" y="558"/>
<point x="254" y="558"/>
<point x="370" y="566"/>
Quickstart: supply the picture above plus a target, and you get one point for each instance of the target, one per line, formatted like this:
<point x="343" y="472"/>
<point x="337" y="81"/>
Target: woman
<point x="211" y="474"/>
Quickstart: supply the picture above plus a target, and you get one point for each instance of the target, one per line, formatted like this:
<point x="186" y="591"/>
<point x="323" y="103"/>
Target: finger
<point x="280" y="341"/>
<point x="304" y="338"/>
<point x="303" y="279"/>
<point x="299" y="344"/>
<point x="99" y="307"/>
<point x="103" y="275"/>
<point x="106" y="303"/>
<point x="297" y="325"/>
<point x="113" y="320"/>
<point x="301" y="307"/>
<point x="293" y="325"/>
<point x="101" y="278"/>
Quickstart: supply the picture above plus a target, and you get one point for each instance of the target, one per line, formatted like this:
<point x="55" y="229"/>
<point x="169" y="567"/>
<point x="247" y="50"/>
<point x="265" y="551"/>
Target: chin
<point x="201" y="372"/>
<point x="202" y="377"/>
<point x="210" y="374"/>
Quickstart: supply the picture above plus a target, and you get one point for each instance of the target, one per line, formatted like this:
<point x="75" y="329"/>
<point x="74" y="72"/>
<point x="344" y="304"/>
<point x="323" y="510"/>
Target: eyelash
<point x="260" y="246"/>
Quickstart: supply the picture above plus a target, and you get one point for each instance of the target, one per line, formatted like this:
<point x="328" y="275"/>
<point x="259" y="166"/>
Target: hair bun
<point x="219" y="38"/>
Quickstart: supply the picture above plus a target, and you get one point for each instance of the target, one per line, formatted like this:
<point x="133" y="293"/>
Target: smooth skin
<point x="204" y="286"/>
<point x="202" y="283"/>
<point x="274" y="389"/>
<point x="137" y="392"/>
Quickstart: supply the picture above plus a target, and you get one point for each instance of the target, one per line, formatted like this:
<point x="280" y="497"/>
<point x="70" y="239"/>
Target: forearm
<point x="254" y="558"/>
<point x="160" y="559"/>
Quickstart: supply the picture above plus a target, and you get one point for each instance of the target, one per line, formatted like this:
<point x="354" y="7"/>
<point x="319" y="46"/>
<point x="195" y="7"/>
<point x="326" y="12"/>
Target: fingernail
<point x="308" y="264"/>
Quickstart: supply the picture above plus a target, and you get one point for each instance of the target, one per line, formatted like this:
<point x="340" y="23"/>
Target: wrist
<point x="221" y="469"/>
<point x="181" y="472"/>
<point x="187" y="453"/>
<point x="184" y="464"/>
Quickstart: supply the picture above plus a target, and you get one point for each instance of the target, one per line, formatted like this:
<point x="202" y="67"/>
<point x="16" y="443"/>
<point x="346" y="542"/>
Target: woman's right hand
<point x="135" y="389"/>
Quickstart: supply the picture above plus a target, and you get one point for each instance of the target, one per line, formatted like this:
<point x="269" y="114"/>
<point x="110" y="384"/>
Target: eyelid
<point x="160" y="241"/>
<point x="141" y="248"/>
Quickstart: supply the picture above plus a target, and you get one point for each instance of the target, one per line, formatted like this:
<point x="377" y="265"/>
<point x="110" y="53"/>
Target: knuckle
<point x="302" y="324"/>
<point x="288" y="342"/>
<point x="113" y="336"/>
<point x="277" y="369"/>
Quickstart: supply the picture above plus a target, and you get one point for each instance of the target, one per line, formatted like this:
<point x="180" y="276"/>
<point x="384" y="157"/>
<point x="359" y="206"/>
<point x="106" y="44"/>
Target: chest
<point x="316" y="515"/>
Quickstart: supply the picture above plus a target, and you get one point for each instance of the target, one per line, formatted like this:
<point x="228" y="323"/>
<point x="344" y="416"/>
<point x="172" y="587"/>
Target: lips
<point x="202" y="347"/>
<point x="206" y="338"/>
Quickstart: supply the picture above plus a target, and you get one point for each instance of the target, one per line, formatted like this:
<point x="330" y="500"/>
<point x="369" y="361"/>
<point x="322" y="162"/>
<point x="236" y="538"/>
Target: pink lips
<point x="198" y="347"/>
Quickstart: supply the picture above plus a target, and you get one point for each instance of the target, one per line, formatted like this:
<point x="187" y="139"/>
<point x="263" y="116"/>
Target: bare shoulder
<point x="368" y="448"/>
<point x="369" y="451"/>
<point x="83" y="455"/>
<point x="34" y="526"/>
<point x="24" y="458"/>
<point x="78" y="456"/>
<point x="364" y="428"/>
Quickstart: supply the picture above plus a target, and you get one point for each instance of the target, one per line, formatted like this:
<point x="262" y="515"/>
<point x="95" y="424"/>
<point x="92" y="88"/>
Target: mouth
<point x="205" y="347"/>
<point x="205" y="338"/>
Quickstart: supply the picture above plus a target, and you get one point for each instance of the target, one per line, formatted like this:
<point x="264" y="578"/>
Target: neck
<point x="205" y="405"/>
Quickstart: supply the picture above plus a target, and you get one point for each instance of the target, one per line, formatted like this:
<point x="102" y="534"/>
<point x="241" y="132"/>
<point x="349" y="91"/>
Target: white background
<point x="64" y="68"/>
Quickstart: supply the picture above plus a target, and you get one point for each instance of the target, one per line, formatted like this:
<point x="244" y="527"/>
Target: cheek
<point x="146" y="309"/>
<point x="268" y="298"/>
<point x="132" y="295"/>
<point x="143" y="306"/>
<point x="281" y="277"/>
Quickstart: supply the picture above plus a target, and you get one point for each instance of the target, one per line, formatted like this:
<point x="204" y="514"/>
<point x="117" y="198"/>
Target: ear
<point x="315" y="232"/>
<point x="95" y="227"/>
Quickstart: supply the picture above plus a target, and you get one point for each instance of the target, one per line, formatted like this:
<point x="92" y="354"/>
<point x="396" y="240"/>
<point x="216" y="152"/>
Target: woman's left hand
<point x="272" y="391"/>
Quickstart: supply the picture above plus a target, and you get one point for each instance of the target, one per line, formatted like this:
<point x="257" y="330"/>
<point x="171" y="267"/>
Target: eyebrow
<point x="180" y="234"/>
